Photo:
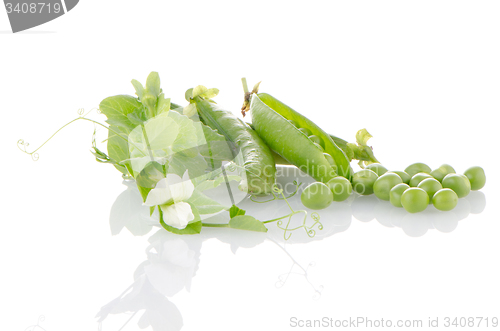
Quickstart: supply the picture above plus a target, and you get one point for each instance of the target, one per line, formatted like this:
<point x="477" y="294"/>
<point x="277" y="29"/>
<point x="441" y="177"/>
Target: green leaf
<point x="118" y="148"/>
<point x="116" y="109"/>
<point x="191" y="228"/>
<point x="137" y="117"/>
<point x="204" y="204"/>
<point x="169" y="137"/>
<point x="210" y="93"/>
<point x="246" y="222"/>
<point x="189" y="110"/>
<point x="362" y="137"/>
<point x="163" y="104"/>
<point x="189" y="94"/>
<point x="236" y="211"/>
<point x="147" y="179"/>
<point x="153" y="83"/>
<point x="139" y="89"/>
<point x="198" y="91"/>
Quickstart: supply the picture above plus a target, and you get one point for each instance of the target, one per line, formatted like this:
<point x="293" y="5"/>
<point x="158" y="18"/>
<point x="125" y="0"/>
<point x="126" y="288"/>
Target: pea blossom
<point x="169" y="194"/>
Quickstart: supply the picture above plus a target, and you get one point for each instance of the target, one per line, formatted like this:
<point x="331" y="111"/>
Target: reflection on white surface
<point x="173" y="260"/>
<point x="368" y="208"/>
<point x="128" y="212"/>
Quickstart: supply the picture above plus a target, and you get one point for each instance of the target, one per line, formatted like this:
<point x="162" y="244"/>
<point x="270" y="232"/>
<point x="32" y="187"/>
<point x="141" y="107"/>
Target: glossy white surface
<point x="422" y="78"/>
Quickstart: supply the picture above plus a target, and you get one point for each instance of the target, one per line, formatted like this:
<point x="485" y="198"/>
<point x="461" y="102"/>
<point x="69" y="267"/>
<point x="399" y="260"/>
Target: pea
<point x="316" y="196"/>
<point x="377" y="167"/>
<point x="384" y="184"/>
<point x="415" y="168"/>
<point x="395" y="194"/>
<point x="445" y="199"/>
<point x="404" y="176"/>
<point x="458" y="183"/>
<point x="417" y="178"/>
<point x="315" y="139"/>
<point x="442" y="171"/>
<point x="363" y="180"/>
<point x="341" y="188"/>
<point x="305" y="131"/>
<point x="293" y="123"/>
<point x="414" y="200"/>
<point x="330" y="159"/>
<point x="476" y="177"/>
<point x="319" y="146"/>
<point x="431" y="186"/>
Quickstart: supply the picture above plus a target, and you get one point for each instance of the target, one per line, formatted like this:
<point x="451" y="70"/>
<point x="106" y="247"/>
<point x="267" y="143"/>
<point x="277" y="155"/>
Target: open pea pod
<point x="289" y="142"/>
<point x="258" y="160"/>
<point x="304" y="126"/>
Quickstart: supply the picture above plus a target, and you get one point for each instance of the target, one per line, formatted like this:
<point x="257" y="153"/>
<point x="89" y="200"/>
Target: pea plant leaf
<point x="147" y="179"/>
<point x="246" y="222"/>
<point x="236" y="211"/>
<point x="139" y="89"/>
<point x="117" y="146"/>
<point x="163" y="104"/>
<point x="117" y="108"/>
<point x="204" y="204"/>
<point x="153" y="84"/>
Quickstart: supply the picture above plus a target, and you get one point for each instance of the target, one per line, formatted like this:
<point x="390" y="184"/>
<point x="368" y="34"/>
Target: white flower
<point x="170" y="194"/>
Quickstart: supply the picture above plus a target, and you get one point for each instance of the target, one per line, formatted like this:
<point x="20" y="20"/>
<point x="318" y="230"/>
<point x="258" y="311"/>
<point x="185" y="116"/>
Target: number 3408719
<point x="33" y="8"/>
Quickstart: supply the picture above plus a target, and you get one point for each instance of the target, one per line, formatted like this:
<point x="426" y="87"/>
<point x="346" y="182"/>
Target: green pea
<point x="363" y="180"/>
<point x="448" y="168"/>
<point x="341" y="188"/>
<point x="476" y="177"/>
<point x="319" y="146"/>
<point x="442" y="171"/>
<point x="305" y="131"/>
<point x="395" y="194"/>
<point x="316" y="196"/>
<point x="417" y="178"/>
<point x="415" y="168"/>
<point x="445" y="199"/>
<point x="384" y="184"/>
<point x="330" y="159"/>
<point x="377" y="167"/>
<point x="315" y="139"/>
<point x="414" y="200"/>
<point x="293" y="123"/>
<point x="404" y="176"/>
<point x="458" y="183"/>
<point x="431" y="186"/>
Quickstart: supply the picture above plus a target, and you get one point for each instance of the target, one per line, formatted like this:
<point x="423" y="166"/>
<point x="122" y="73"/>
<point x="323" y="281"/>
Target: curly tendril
<point x="231" y="167"/>
<point x="22" y="145"/>
<point x="276" y="192"/>
<point x="287" y="231"/>
<point x="37" y="326"/>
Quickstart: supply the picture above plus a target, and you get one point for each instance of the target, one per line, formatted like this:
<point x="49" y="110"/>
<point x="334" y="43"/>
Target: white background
<point x="422" y="77"/>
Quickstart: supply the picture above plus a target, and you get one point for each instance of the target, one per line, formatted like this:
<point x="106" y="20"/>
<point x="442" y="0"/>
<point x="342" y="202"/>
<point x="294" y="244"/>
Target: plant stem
<point x="245" y="86"/>
<point x="215" y="225"/>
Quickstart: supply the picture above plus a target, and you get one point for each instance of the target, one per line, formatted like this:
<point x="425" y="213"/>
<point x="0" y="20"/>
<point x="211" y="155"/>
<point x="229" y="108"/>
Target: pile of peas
<point x="413" y="189"/>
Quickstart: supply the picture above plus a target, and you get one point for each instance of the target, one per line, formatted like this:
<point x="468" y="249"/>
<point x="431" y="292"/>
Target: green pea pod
<point x="258" y="160"/>
<point x="289" y="142"/>
<point x="342" y="165"/>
